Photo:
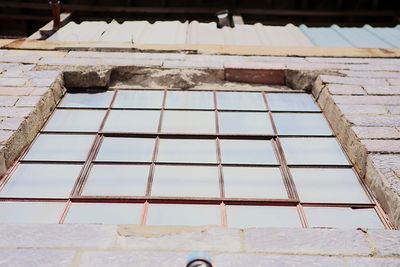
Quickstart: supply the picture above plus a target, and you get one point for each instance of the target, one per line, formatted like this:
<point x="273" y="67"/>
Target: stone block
<point x="57" y="236"/>
<point x="394" y="81"/>
<point x="133" y="258"/>
<point x="371" y="74"/>
<point x="386" y="242"/>
<point x="36" y="258"/>
<point x="352" y="81"/>
<point x="342" y="89"/>
<point x="256" y="260"/>
<point x="8" y="101"/>
<point x="179" y="238"/>
<point x="376" y="132"/>
<point x="372" y="262"/>
<point x="28" y="101"/>
<point x="14" y="112"/>
<point x="11" y="123"/>
<point x="374" y="120"/>
<point x="15" y="91"/>
<point x="382" y="90"/>
<point x="13" y="81"/>
<point x="367" y="100"/>
<point x="382" y="146"/>
<point x="193" y="64"/>
<point x="307" y="241"/>
<point x="394" y="109"/>
<point x="362" y="109"/>
<point x="5" y="135"/>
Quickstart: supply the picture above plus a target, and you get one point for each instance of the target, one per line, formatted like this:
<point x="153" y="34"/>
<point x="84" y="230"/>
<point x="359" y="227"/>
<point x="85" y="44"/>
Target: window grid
<point x="293" y="199"/>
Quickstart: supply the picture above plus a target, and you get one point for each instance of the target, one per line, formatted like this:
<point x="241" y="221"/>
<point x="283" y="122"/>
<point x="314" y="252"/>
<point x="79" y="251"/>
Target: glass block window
<point x="172" y="157"/>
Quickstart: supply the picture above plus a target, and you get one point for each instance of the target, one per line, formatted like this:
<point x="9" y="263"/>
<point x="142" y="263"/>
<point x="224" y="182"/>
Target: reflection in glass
<point x="104" y="213"/>
<point x="245" y="123"/>
<point x="117" y="180"/>
<point x="328" y="186"/>
<point x="126" y="149"/>
<point x="185" y="181"/>
<point x="189" y="100"/>
<point x="187" y="150"/>
<point x="240" y="101"/>
<point x="87" y="100"/>
<point x="301" y="124"/>
<point x="191" y="122"/>
<point x="57" y="147"/>
<point x="262" y="216"/>
<point x="42" y="181"/>
<point x="247" y="152"/>
<point x="192" y="215"/>
<point x="253" y="182"/>
<point x="313" y="151"/>
<point x="67" y="120"/>
<point x="342" y="217"/>
<point x="291" y="102"/>
<point x="139" y="99"/>
<point x="132" y="121"/>
<point x="30" y="212"/>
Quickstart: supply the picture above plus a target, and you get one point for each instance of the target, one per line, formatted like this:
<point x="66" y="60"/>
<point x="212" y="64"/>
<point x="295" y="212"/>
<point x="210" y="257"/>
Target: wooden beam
<point x="47" y="30"/>
<point x="211" y="49"/>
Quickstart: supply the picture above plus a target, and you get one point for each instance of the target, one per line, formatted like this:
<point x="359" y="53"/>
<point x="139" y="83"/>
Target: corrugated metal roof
<point x="175" y="32"/>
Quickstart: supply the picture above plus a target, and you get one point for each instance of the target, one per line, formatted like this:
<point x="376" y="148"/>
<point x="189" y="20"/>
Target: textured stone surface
<point x="301" y="241"/>
<point x="387" y="243"/>
<point x="36" y="258"/>
<point x="232" y="260"/>
<point x="209" y="239"/>
<point x="368" y="262"/>
<point x="57" y="236"/>
<point x="133" y="258"/>
<point x="376" y="132"/>
<point x="343" y="89"/>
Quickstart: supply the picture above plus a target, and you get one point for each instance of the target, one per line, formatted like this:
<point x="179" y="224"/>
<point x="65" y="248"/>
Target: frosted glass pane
<point x="132" y="121"/>
<point x="328" y="186"/>
<point x="187" y="150"/>
<point x="126" y="149"/>
<point x="186" y="181"/>
<point x="104" y="213"/>
<point x="87" y="100"/>
<point x="57" y="147"/>
<point x="240" y="101"/>
<point x="67" y="120"/>
<point x="194" y="215"/>
<point x="31" y="212"/>
<point x="189" y="100"/>
<point x="342" y="217"/>
<point x="301" y="124"/>
<point x="253" y="182"/>
<point x="42" y="181"/>
<point x="291" y="102"/>
<point x="138" y="99"/>
<point x="313" y="151"/>
<point x="247" y="152"/>
<point x="117" y="180"/>
<point x="255" y="123"/>
<point x="262" y="216"/>
<point x="192" y="122"/>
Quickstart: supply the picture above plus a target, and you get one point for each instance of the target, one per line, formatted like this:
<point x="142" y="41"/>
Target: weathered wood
<point x="48" y="28"/>
<point x="210" y="49"/>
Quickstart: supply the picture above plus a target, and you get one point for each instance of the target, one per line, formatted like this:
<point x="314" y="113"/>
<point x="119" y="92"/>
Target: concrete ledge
<point x="110" y="245"/>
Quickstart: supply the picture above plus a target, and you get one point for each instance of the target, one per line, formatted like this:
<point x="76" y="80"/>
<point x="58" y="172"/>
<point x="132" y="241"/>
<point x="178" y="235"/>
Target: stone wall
<point x="359" y="96"/>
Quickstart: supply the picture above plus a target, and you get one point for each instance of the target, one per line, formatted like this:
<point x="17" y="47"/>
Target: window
<point x="170" y="157"/>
